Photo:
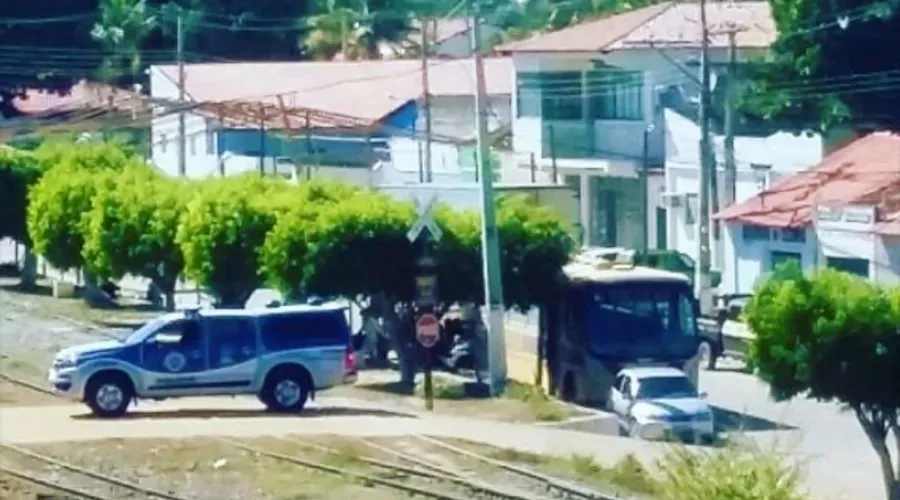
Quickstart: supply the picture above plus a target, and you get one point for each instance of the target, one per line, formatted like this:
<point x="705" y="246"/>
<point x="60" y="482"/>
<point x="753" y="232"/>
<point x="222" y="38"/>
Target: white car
<point x="655" y="402"/>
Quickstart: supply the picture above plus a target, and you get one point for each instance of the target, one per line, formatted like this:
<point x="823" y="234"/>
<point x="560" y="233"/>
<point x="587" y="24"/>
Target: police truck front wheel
<point x="109" y="395"/>
<point x="285" y="391"/>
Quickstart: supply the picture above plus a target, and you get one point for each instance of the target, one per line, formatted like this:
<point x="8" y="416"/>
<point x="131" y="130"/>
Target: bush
<point x="731" y="473"/>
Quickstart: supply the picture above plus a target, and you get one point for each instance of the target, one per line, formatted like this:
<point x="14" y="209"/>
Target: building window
<point x="163" y="143"/>
<point x="616" y="94"/>
<point x="778" y="258"/>
<point x="528" y="95"/>
<point x="751" y="232"/>
<point x="193" y="145"/>
<point x="859" y="267"/>
<point x="793" y="235"/>
<point x="561" y="97"/>
<point x="210" y="141"/>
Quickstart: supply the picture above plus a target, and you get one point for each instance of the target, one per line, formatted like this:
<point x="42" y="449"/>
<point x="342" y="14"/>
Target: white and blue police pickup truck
<point x="281" y="354"/>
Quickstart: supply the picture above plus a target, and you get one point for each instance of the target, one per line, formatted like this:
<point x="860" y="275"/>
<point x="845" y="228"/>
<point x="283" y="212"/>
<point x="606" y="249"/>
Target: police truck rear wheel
<point x="109" y="395"/>
<point x="285" y="392"/>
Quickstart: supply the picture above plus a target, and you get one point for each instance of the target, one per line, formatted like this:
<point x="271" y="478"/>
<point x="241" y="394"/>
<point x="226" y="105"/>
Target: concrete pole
<point x="706" y="170"/>
<point x="182" y="139"/>
<point x="490" y="241"/>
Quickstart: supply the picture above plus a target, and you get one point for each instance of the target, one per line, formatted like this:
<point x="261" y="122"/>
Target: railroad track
<point x="413" y="481"/>
<point x="556" y="487"/>
<point x="22" y="382"/>
<point x="428" y="473"/>
<point x="78" y="492"/>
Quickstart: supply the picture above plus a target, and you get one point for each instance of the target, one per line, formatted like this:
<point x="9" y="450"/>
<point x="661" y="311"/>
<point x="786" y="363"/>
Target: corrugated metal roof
<point x="364" y="89"/>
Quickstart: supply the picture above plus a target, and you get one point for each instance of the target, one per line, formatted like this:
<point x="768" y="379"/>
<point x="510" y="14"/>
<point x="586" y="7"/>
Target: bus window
<point x="628" y="313"/>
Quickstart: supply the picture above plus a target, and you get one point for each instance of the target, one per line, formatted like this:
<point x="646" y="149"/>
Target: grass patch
<point x="205" y="468"/>
<point x="627" y="476"/>
<point x="546" y="409"/>
<point x="520" y="402"/>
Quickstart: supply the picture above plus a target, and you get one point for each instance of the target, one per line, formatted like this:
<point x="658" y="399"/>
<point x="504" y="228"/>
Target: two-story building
<point x="337" y="115"/>
<point x="589" y="100"/>
<point x="844" y="213"/>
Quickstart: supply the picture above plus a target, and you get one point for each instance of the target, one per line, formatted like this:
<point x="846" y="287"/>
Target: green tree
<point x="222" y="230"/>
<point x="832" y="337"/>
<point x="122" y="28"/>
<point x="828" y="65"/>
<point x="355" y="28"/>
<point x="283" y="255"/>
<point x="19" y="171"/>
<point x="358" y="247"/>
<point x="132" y="226"/>
<point x="60" y="201"/>
<point x="534" y="246"/>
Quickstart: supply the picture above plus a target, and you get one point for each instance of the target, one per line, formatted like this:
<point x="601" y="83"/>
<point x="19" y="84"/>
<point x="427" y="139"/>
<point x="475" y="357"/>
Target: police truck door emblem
<point x="174" y="361"/>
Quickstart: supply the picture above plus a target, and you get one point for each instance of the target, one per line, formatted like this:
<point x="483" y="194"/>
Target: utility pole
<point x="706" y="170"/>
<point x="730" y="166"/>
<point x="490" y="241"/>
<point x="426" y="103"/>
<point x="182" y="140"/>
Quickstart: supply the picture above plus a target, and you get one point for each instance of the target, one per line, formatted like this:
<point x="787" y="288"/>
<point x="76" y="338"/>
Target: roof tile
<point x="664" y="25"/>
<point x="867" y="171"/>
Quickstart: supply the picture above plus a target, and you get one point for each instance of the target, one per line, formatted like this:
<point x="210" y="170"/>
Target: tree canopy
<point x="831" y="336"/>
<point x="59" y="202"/>
<point x="830" y="64"/>
<point x="19" y="170"/>
<point x="221" y="230"/>
<point x="132" y="225"/>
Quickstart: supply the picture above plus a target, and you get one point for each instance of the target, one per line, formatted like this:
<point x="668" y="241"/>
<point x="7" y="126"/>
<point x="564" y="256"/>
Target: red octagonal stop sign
<point x="428" y="330"/>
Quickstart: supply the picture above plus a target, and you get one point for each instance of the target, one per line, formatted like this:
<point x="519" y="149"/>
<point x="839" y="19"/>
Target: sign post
<point x="426" y="233"/>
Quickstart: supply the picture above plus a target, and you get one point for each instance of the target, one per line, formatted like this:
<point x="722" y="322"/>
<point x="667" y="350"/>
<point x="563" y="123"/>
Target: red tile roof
<point x="364" y="89"/>
<point x="82" y="96"/>
<point x="668" y="24"/>
<point x="867" y="172"/>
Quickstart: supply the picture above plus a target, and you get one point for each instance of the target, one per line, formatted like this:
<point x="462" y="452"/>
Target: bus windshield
<point x="643" y="318"/>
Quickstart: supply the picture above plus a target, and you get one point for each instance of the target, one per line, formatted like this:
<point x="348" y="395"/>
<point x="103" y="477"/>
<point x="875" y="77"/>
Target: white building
<point x="844" y="213"/>
<point x="251" y="116"/>
<point x="592" y="96"/>
<point x="759" y="161"/>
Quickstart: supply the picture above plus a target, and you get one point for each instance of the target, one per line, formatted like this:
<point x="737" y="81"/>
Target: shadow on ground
<point x="731" y="421"/>
<point x="249" y="413"/>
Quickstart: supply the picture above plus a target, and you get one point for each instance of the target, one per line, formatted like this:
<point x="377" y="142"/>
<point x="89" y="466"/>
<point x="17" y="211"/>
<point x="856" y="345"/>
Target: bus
<point x="610" y="314"/>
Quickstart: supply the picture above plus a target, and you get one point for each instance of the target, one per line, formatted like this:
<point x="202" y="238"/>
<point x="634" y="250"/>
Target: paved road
<point x="837" y="451"/>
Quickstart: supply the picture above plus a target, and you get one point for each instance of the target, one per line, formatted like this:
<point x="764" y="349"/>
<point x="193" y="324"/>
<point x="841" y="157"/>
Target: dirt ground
<point x="203" y="468"/>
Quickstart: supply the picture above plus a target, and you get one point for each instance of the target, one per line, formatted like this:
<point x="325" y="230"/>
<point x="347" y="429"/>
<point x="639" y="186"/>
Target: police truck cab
<point x="283" y="355"/>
